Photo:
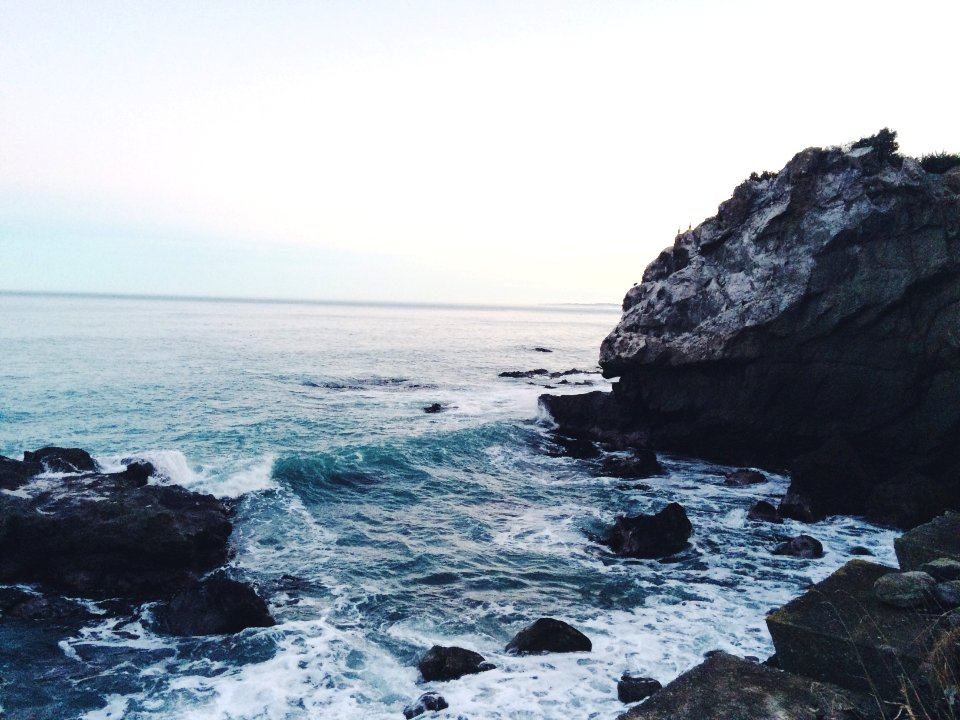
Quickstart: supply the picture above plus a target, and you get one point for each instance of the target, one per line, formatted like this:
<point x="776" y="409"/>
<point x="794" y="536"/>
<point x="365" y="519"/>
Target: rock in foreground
<point x="651" y="536"/>
<point x="102" y="535"/>
<point x="725" y="687"/>
<point x="549" y="635"/>
<point x="818" y="307"/>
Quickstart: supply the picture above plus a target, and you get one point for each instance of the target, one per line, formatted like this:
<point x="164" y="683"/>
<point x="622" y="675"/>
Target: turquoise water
<point x="402" y="529"/>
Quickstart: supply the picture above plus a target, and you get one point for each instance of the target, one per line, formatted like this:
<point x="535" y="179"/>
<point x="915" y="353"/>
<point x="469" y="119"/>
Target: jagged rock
<point x="217" y="605"/>
<point x="450" y="663"/>
<point x="942" y="569"/>
<point x="429" y="701"/>
<point x="819" y="306"/>
<point x="138" y="472"/>
<point x="640" y="463"/>
<point x="19" y="604"/>
<point x="549" y="635"/>
<point x="15" y="473"/>
<point x="762" y="511"/>
<point x="576" y="447"/>
<point x="632" y="689"/>
<point x="905" y="590"/>
<point x="524" y="373"/>
<point x="794" y="506"/>
<point x="651" y="536"/>
<point x="58" y="459"/>
<point x="744" y="476"/>
<point x="947" y="593"/>
<point x="106" y="535"/>
<point x="802" y="546"/>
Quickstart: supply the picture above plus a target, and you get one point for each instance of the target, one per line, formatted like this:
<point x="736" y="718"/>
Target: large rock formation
<point x="820" y="306"/>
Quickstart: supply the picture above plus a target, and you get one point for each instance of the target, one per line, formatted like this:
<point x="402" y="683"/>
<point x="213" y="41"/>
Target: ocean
<point x="377" y="529"/>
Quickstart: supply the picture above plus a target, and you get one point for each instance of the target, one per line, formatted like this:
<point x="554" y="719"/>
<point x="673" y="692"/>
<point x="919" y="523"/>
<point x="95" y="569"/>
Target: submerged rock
<point x="549" y="635"/>
<point x="816" y="311"/>
<point x="762" y="511"/>
<point x="651" y="536"/>
<point x="802" y="546"/>
<point x="744" y="476"/>
<point x="450" y="663"/>
<point x="427" y="702"/>
<point x="217" y="605"/>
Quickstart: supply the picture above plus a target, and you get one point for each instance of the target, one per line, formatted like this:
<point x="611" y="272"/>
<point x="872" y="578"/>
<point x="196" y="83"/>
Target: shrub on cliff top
<point x="940" y="162"/>
<point x="884" y="142"/>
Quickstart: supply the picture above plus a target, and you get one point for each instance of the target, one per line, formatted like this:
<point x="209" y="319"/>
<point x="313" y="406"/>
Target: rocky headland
<point x="811" y="325"/>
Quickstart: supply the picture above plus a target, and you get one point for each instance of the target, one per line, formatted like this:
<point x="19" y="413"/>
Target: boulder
<point x="217" y="605"/>
<point x="651" y="536"/>
<point x="947" y="594"/>
<point x="450" y="663"/>
<point x="762" y="511"/>
<point x="942" y="569"/>
<point x="744" y="476"/>
<point x="635" y="465"/>
<point x="632" y="689"/>
<point x="428" y="702"/>
<point x="905" y="589"/>
<point x="815" y="313"/>
<point x="802" y="546"/>
<point x="548" y="635"/>
<point x="15" y="473"/>
<point x="576" y="447"/>
<point x="934" y="540"/>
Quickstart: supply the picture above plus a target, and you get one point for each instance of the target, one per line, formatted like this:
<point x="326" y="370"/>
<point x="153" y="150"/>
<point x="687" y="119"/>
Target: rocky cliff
<point x="812" y="324"/>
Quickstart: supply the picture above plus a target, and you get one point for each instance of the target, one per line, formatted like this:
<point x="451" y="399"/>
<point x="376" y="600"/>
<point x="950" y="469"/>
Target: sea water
<point x="377" y="529"/>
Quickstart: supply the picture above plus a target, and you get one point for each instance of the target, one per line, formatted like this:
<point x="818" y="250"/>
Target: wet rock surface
<point x="812" y="314"/>
<point x="216" y="605"/>
<point x="802" y="546"/>
<point x="651" y="536"/>
<point x="762" y="511"/>
<point x="631" y="689"/>
<point x="548" y="635"/>
<point x="450" y="663"/>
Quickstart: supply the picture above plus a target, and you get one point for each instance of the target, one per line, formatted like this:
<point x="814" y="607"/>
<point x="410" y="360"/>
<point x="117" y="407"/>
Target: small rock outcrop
<point x="450" y="663"/>
<point x="548" y="635"/>
<point x="651" y="536"/>
<point x="428" y="702"/>
<point x="744" y="476"/>
<point x="637" y="464"/>
<point x="217" y="605"/>
<point x="802" y="546"/>
<point x="814" y="314"/>
<point x="631" y="689"/>
<point x="762" y="511"/>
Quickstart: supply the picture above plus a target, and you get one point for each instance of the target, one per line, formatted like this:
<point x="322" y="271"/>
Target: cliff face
<point x="819" y="308"/>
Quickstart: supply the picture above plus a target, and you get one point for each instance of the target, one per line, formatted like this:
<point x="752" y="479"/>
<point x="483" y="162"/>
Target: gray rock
<point x="942" y="569"/>
<point x="905" y="589"/>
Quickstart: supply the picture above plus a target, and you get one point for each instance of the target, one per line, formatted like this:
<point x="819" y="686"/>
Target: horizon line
<point x="305" y="301"/>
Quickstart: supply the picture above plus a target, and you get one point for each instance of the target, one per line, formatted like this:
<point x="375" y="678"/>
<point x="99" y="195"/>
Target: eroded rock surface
<point x="818" y="307"/>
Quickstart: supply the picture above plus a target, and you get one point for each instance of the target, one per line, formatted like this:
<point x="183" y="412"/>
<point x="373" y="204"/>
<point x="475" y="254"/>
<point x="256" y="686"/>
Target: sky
<point x="488" y="151"/>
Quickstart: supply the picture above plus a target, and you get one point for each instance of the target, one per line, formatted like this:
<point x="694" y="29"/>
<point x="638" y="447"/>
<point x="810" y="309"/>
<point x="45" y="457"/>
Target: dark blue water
<point x="377" y="529"/>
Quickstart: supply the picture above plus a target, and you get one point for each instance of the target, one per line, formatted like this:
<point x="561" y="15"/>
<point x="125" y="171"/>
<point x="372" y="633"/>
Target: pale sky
<point x="486" y="151"/>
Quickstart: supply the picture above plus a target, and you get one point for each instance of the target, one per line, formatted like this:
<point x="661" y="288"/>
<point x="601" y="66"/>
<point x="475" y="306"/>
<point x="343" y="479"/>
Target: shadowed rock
<point x="637" y="464"/>
<point x="651" y="536"/>
<point x="58" y="459"/>
<point x="744" y="476"/>
<point x="428" y="702"/>
<point x="762" y="511"/>
<point x="549" y="635"/>
<point x="217" y="605"/>
<point x="632" y="689"/>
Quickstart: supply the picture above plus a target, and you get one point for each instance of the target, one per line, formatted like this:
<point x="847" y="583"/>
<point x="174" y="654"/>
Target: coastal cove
<point x="373" y="528"/>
